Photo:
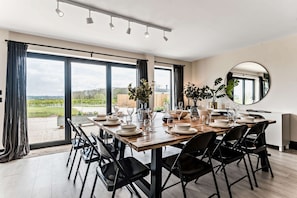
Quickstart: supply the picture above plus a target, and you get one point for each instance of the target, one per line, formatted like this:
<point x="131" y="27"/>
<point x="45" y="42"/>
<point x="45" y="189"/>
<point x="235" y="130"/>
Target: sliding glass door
<point x="45" y="100"/>
<point x="65" y="87"/>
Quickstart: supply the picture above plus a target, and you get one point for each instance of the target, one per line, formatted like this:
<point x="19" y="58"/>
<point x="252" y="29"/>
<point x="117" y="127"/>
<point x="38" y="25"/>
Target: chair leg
<point x="85" y="179"/>
<point x="268" y="164"/>
<point x="253" y="172"/>
<point x="215" y="181"/>
<point x="183" y="187"/>
<point x="77" y="169"/>
<point x="71" y="167"/>
<point x="248" y="175"/>
<point x="93" y="189"/>
<point x="69" y="156"/>
<point x="227" y="182"/>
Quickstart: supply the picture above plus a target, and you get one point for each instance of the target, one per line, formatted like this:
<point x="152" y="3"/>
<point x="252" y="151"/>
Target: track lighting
<point x="129" y="29"/>
<point x="164" y="37"/>
<point x="89" y="19"/>
<point x="58" y="11"/>
<point x="110" y="24"/>
<point x="146" y="34"/>
<point x="112" y="15"/>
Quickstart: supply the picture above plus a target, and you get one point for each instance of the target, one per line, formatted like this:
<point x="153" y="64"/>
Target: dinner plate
<point x="128" y="133"/>
<point x="99" y="119"/>
<point x="249" y="121"/>
<point x="219" y="125"/>
<point x="190" y="131"/>
<point x="107" y="123"/>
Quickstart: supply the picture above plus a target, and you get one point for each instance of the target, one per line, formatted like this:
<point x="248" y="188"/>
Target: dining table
<point x="159" y="137"/>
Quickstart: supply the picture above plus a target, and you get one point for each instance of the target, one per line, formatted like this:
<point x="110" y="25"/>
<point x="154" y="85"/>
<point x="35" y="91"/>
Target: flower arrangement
<point x="196" y="93"/>
<point x="141" y="93"/>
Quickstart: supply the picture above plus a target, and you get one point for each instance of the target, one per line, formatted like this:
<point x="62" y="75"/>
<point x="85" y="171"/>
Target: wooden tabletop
<point x="158" y="137"/>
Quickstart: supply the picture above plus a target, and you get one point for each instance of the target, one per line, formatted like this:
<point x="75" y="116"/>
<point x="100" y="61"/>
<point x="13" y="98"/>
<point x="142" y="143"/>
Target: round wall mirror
<point x="254" y="82"/>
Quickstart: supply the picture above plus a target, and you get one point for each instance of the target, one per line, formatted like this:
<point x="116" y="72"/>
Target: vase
<point x="194" y="109"/>
<point x="141" y="112"/>
<point x="213" y="105"/>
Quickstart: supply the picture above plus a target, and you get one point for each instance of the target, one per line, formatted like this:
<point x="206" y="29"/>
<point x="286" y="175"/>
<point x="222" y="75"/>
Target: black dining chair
<point x="118" y="172"/>
<point x="228" y="151"/>
<point x="90" y="154"/>
<point x="77" y="143"/>
<point x="254" y="143"/>
<point x="187" y="166"/>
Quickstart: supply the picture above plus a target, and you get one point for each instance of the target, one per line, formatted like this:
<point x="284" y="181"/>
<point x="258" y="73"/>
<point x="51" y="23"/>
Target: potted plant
<point x="142" y="94"/>
<point x="220" y="90"/>
<point x="195" y="93"/>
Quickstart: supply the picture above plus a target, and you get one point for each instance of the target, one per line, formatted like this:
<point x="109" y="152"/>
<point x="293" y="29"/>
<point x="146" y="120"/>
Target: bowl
<point x="101" y="115"/>
<point x="247" y="118"/>
<point x="112" y="118"/>
<point x="128" y="127"/>
<point x="221" y="121"/>
<point x="175" y="115"/>
<point x="183" y="126"/>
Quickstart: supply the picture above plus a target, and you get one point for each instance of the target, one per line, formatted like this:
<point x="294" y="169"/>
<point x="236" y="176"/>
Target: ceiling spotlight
<point x="89" y="19"/>
<point x="58" y="11"/>
<point x="129" y="29"/>
<point x="110" y="24"/>
<point x="164" y="37"/>
<point x="146" y="34"/>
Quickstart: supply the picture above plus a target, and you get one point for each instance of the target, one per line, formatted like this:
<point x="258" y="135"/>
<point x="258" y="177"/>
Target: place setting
<point x="100" y="117"/>
<point x="180" y="128"/>
<point x="112" y="121"/>
<point x="128" y="130"/>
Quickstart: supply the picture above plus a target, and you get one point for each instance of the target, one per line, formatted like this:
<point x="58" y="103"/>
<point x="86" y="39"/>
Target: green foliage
<point x="142" y="92"/>
<point x="194" y="92"/>
<point x="34" y="112"/>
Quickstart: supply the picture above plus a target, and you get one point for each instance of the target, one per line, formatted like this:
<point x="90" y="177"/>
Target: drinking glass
<point x="146" y="125"/>
<point x="116" y="109"/>
<point x="130" y="111"/>
<point x="170" y="123"/>
<point x="180" y="105"/>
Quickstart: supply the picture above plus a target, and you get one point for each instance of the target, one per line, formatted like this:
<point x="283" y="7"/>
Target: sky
<point x="46" y="77"/>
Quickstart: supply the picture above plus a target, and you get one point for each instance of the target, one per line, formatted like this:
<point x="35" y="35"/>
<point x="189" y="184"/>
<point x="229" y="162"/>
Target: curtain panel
<point x="141" y="73"/>
<point x="15" y="136"/>
<point x="178" y="71"/>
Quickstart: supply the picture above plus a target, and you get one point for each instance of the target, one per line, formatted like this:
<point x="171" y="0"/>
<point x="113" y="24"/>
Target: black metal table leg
<point x="156" y="173"/>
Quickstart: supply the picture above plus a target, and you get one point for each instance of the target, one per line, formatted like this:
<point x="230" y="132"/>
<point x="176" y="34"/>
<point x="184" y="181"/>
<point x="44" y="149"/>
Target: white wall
<point x="6" y="34"/>
<point x="280" y="59"/>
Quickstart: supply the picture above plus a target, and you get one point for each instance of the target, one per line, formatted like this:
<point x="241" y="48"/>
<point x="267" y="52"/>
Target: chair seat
<point x="78" y="143"/>
<point x="228" y="155"/>
<point x="133" y="168"/>
<point x="191" y="167"/>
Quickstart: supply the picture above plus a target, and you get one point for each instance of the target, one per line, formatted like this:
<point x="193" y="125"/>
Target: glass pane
<point x="88" y="91"/>
<point x="249" y="91"/>
<point x="162" y="88"/>
<point x="45" y="100"/>
<point x="121" y="77"/>
<point x="238" y="92"/>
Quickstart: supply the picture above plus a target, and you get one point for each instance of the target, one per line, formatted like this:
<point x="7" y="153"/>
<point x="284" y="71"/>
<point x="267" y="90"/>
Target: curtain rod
<point x="167" y="63"/>
<point x="76" y="50"/>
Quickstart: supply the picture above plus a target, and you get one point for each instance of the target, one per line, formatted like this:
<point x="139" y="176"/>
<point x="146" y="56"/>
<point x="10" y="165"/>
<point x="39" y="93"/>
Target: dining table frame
<point x="155" y="141"/>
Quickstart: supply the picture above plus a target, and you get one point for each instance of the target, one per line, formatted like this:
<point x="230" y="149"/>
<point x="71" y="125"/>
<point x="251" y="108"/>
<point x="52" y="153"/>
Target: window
<point x="244" y="92"/>
<point x="63" y="87"/>
<point x="163" y="88"/>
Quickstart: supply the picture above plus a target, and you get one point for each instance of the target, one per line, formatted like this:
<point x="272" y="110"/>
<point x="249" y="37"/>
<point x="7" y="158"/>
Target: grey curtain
<point x="178" y="71"/>
<point x="15" y="137"/>
<point x="141" y="72"/>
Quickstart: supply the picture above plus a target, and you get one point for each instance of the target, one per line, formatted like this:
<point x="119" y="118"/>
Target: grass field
<point x="47" y="111"/>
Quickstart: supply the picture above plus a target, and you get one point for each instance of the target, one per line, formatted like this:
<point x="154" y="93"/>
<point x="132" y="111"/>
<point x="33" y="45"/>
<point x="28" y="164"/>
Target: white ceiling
<point x="201" y="28"/>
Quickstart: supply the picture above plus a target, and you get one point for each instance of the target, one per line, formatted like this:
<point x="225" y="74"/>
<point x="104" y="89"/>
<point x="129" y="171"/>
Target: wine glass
<point x="170" y="123"/>
<point x="146" y="125"/>
<point x="180" y="105"/>
<point x="130" y="111"/>
<point x="116" y="109"/>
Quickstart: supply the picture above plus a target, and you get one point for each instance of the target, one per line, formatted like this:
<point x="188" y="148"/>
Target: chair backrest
<point x="233" y="137"/>
<point x="197" y="144"/>
<point x="88" y="142"/>
<point x="259" y="131"/>
<point x="101" y="149"/>
<point x="74" y="128"/>
<point x="105" y="149"/>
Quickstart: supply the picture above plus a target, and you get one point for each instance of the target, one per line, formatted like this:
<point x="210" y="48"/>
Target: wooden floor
<point x="46" y="177"/>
